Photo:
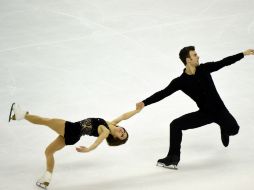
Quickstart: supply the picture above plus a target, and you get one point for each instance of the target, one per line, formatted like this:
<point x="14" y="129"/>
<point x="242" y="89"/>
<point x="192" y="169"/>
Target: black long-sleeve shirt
<point x="199" y="87"/>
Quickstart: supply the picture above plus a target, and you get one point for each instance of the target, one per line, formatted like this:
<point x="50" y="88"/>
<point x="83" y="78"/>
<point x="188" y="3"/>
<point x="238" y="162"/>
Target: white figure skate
<point x="16" y="113"/>
<point x="44" y="181"/>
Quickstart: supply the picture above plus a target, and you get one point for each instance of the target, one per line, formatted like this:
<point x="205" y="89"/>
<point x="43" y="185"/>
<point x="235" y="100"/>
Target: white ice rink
<point x="74" y="59"/>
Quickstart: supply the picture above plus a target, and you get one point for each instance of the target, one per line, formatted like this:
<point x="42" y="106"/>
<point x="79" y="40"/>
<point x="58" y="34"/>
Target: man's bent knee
<point x="174" y="125"/>
<point x="234" y="131"/>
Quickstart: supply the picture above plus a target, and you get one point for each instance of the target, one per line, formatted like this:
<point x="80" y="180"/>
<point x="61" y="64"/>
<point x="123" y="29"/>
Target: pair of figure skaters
<point x="195" y="81"/>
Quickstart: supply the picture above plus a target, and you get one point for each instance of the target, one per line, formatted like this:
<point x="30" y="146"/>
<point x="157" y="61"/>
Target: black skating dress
<point x="89" y="126"/>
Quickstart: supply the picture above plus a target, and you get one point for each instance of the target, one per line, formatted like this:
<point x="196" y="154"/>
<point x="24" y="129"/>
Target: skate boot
<point x="16" y="113"/>
<point x="224" y="138"/>
<point x="170" y="162"/>
<point x="44" y="181"/>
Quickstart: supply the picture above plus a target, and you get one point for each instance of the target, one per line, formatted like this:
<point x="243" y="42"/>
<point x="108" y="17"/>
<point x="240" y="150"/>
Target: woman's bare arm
<point x="125" y="116"/>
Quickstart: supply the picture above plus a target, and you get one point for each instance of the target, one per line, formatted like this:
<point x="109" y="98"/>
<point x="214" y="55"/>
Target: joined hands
<point x="249" y="52"/>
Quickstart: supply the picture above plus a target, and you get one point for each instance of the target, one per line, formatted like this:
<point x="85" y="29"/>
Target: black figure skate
<point x="169" y="162"/>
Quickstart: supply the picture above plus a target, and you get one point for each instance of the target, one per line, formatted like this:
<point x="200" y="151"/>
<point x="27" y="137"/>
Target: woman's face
<point x="121" y="133"/>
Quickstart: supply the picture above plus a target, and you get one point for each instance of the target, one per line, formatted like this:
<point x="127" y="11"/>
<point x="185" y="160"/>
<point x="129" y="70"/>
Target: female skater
<point x="70" y="133"/>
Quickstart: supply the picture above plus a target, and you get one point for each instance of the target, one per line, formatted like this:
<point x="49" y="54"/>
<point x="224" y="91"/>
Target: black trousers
<point x="197" y="119"/>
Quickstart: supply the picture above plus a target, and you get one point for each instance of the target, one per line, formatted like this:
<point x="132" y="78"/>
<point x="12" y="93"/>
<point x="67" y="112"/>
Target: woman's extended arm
<point x="125" y="116"/>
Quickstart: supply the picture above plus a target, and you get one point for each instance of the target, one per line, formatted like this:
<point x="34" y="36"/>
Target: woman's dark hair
<point x="185" y="53"/>
<point x="112" y="141"/>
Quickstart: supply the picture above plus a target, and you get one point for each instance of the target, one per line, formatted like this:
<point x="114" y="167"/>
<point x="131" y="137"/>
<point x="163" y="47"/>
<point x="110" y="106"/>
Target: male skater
<point x="197" y="83"/>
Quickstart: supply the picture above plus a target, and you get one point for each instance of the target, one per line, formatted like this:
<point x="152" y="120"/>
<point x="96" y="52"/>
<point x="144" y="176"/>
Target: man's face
<point x="194" y="59"/>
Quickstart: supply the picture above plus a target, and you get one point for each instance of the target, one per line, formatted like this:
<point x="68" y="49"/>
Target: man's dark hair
<point x="185" y="53"/>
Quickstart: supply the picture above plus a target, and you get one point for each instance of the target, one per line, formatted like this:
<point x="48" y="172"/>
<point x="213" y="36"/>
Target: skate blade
<point x="41" y="185"/>
<point x="10" y="117"/>
<point x="172" y="167"/>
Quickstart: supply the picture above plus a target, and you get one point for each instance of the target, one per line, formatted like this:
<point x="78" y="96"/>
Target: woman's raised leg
<point x="58" y="125"/>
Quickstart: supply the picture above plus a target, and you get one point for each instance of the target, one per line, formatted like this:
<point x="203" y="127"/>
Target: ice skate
<point x="224" y="138"/>
<point x="44" y="181"/>
<point x="169" y="162"/>
<point x="10" y="115"/>
<point x="16" y="113"/>
<point x="42" y="185"/>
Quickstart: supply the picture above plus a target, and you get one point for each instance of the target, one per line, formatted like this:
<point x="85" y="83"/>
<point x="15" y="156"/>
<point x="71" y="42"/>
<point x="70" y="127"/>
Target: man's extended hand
<point x="249" y="52"/>
<point x="140" y="105"/>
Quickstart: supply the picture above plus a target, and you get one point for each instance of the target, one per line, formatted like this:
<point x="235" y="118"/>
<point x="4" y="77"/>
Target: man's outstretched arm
<point x="170" y="89"/>
<point x="215" y="66"/>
